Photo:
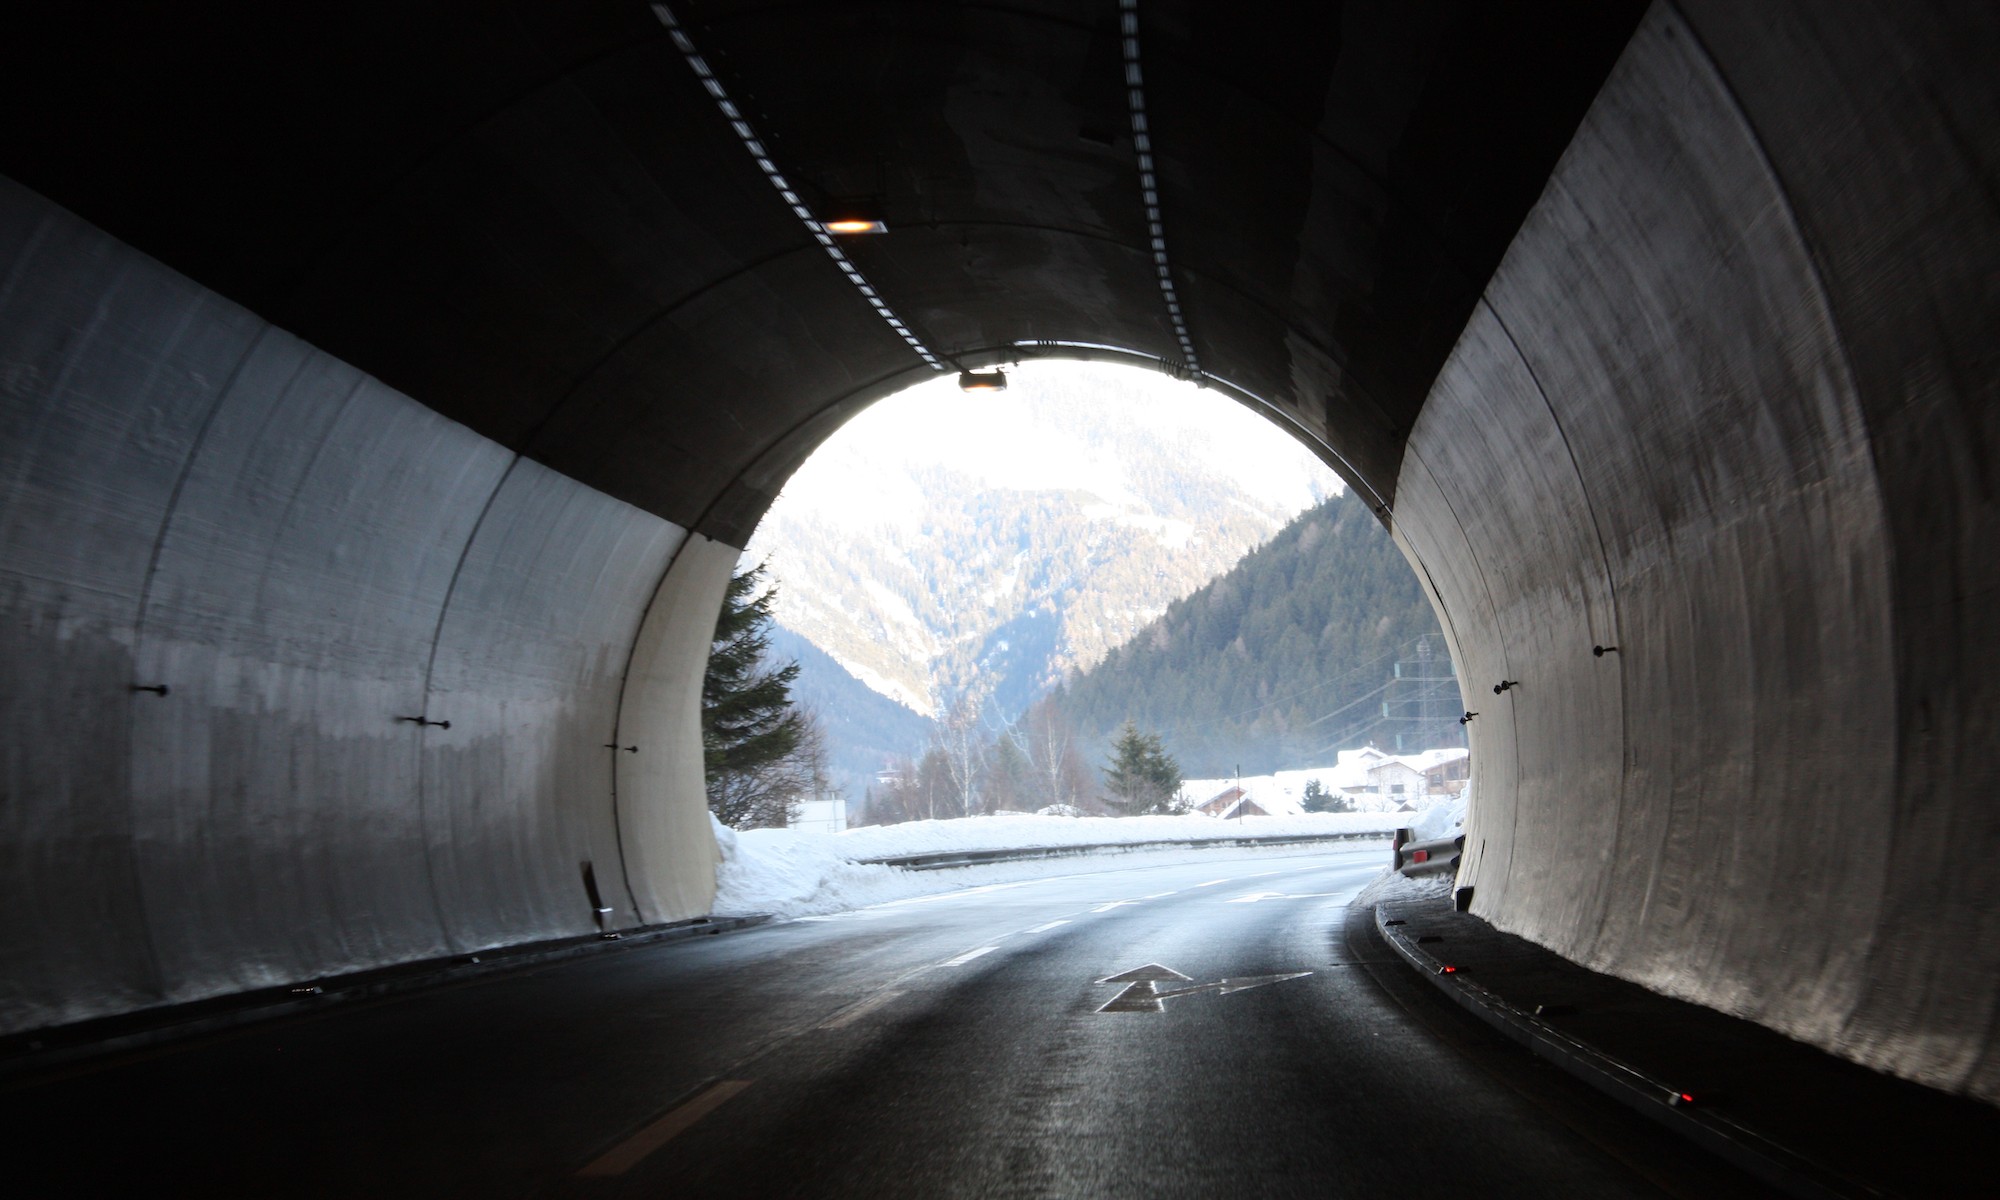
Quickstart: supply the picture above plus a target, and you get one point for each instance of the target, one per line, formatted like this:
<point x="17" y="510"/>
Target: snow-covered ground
<point x="794" y="873"/>
<point x="1283" y="792"/>
<point x="1012" y="831"/>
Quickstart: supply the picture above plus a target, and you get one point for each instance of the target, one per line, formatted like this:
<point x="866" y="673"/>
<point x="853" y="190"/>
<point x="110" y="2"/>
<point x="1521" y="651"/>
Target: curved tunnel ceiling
<point x="1697" y="306"/>
<point x="535" y="219"/>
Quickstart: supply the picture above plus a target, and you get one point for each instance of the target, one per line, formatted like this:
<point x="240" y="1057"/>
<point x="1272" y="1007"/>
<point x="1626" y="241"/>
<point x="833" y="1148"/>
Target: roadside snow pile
<point x="1011" y="831"/>
<point x="791" y="873"/>
<point x="1391" y="886"/>
<point x="1446" y="820"/>
<point x="795" y="873"/>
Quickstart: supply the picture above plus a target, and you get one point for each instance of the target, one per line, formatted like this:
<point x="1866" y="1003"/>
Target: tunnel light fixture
<point x="994" y="380"/>
<point x="851" y="218"/>
<point x="1149" y="182"/>
<point x="822" y="231"/>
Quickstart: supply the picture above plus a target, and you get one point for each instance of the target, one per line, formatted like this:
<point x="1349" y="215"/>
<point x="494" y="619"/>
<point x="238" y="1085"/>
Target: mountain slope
<point x="1291" y="655"/>
<point x="863" y="727"/>
<point x="945" y="546"/>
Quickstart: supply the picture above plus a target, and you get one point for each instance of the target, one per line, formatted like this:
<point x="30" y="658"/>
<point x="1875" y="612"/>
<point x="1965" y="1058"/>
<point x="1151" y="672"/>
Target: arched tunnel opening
<point x="385" y="399"/>
<point x="995" y="581"/>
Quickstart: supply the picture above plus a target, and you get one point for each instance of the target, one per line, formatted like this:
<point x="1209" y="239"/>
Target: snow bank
<point x="792" y="873"/>
<point x="1443" y="821"/>
<point x="1283" y="793"/>
<point x="1009" y="831"/>
<point x="796" y="873"/>
<point x="1391" y="886"/>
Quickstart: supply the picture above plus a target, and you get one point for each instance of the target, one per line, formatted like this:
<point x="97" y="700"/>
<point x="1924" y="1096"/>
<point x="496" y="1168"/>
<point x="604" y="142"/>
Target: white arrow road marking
<point x="1150" y="973"/>
<point x="1142" y="991"/>
<point x="1226" y="986"/>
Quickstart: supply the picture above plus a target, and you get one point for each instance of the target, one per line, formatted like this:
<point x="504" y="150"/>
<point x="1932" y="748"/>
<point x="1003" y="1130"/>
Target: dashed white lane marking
<point x="1254" y="897"/>
<point x="1046" y="927"/>
<point x="1114" y="904"/>
<point x="969" y="955"/>
<point x="635" y="1149"/>
<point x="858" y="1011"/>
<point x="1211" y="883"/>
<point x="1157" y="895"/>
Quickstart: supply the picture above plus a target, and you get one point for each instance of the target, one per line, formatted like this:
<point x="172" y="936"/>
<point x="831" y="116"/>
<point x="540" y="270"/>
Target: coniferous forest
<point x="1317" y="641"/>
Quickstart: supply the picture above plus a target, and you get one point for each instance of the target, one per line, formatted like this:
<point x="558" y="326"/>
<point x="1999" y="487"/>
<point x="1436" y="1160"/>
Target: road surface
<point x="977" y="1043"/>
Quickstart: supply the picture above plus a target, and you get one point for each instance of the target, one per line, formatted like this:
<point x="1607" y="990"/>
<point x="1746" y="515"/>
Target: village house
<point x="1379" y="781"/>
<point x="1231" y="802"/>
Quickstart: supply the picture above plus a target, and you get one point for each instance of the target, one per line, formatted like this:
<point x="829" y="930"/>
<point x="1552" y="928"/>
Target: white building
<point x="1381" y="782"/>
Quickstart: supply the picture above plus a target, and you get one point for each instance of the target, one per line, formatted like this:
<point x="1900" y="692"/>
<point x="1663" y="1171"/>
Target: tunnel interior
<point x="385" y="400"/>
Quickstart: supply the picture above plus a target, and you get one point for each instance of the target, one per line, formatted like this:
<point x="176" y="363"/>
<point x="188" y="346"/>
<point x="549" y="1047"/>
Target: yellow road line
<point x="857" y="1011"/>
<point x="634" y="1150"/>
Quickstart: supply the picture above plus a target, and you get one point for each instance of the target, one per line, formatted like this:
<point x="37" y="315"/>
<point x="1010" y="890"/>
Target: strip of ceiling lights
<point x="1149" y="183"/>
<point x="762" y="156"/>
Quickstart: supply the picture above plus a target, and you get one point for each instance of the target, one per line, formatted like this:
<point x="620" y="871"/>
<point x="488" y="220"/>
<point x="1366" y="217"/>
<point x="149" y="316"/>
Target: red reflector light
<point x="1417" y="856"/>
<point x="1451" y="970"/>
<point x="1686" y="1099"/>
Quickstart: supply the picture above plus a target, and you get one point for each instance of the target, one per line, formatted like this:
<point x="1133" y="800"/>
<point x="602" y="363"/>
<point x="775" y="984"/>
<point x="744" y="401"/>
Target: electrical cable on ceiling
<point x="761" y="155"/>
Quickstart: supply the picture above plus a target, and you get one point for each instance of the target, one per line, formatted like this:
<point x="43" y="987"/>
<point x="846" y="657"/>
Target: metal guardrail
<point x="940" y="860"/>
<point x="1425" y="858"/>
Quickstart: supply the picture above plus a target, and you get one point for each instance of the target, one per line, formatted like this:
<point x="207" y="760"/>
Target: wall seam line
<point x="618" y="722"/>
<point x="424" y="700"/>
<point x="1500" y="641"/>
<point x="144" y="600"/>
<point x="1610" y="583"/>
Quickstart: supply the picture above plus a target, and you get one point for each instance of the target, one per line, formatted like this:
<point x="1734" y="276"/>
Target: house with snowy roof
<point x="1380" y="782"/>
<point x="1231" y="802"/>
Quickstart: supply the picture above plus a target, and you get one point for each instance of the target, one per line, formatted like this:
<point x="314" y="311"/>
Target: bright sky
<point x="998" y="438"/>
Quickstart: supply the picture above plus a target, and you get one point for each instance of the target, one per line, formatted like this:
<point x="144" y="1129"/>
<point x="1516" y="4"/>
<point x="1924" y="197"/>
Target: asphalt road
<point x="952" y="1046"/>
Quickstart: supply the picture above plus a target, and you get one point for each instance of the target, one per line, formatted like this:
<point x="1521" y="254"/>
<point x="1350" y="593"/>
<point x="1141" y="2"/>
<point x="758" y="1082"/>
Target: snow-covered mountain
<point x="944" y="545"/>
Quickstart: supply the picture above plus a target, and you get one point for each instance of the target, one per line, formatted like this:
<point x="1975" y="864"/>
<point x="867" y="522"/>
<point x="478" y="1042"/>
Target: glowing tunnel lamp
<point x="982" y="381"/>
<point x="851" y="225"/>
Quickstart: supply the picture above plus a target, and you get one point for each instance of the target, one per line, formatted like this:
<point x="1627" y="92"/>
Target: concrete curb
<point x="1782" y="1168"/>
<point x="939" y="860"/>
<point x="62" y="1045"/>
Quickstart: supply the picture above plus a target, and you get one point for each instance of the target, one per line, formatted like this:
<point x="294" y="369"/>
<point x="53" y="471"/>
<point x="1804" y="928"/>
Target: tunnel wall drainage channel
<point x="37" y="1050"/>
<point x="1792" y="1173"/>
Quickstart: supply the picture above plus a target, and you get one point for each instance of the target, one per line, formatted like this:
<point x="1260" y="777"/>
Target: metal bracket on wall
<point x="426" y="721"/>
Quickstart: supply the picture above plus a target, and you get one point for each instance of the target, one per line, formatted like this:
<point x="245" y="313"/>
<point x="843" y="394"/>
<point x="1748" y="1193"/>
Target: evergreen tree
<point x="1317" y="799"/>
<point x="760" y="752"/>
<point x="1141" y="776"/>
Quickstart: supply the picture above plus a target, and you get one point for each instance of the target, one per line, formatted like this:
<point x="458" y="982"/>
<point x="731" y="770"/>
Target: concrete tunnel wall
<point x="1729" y="405"/>
<point x="303" y="557"/>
